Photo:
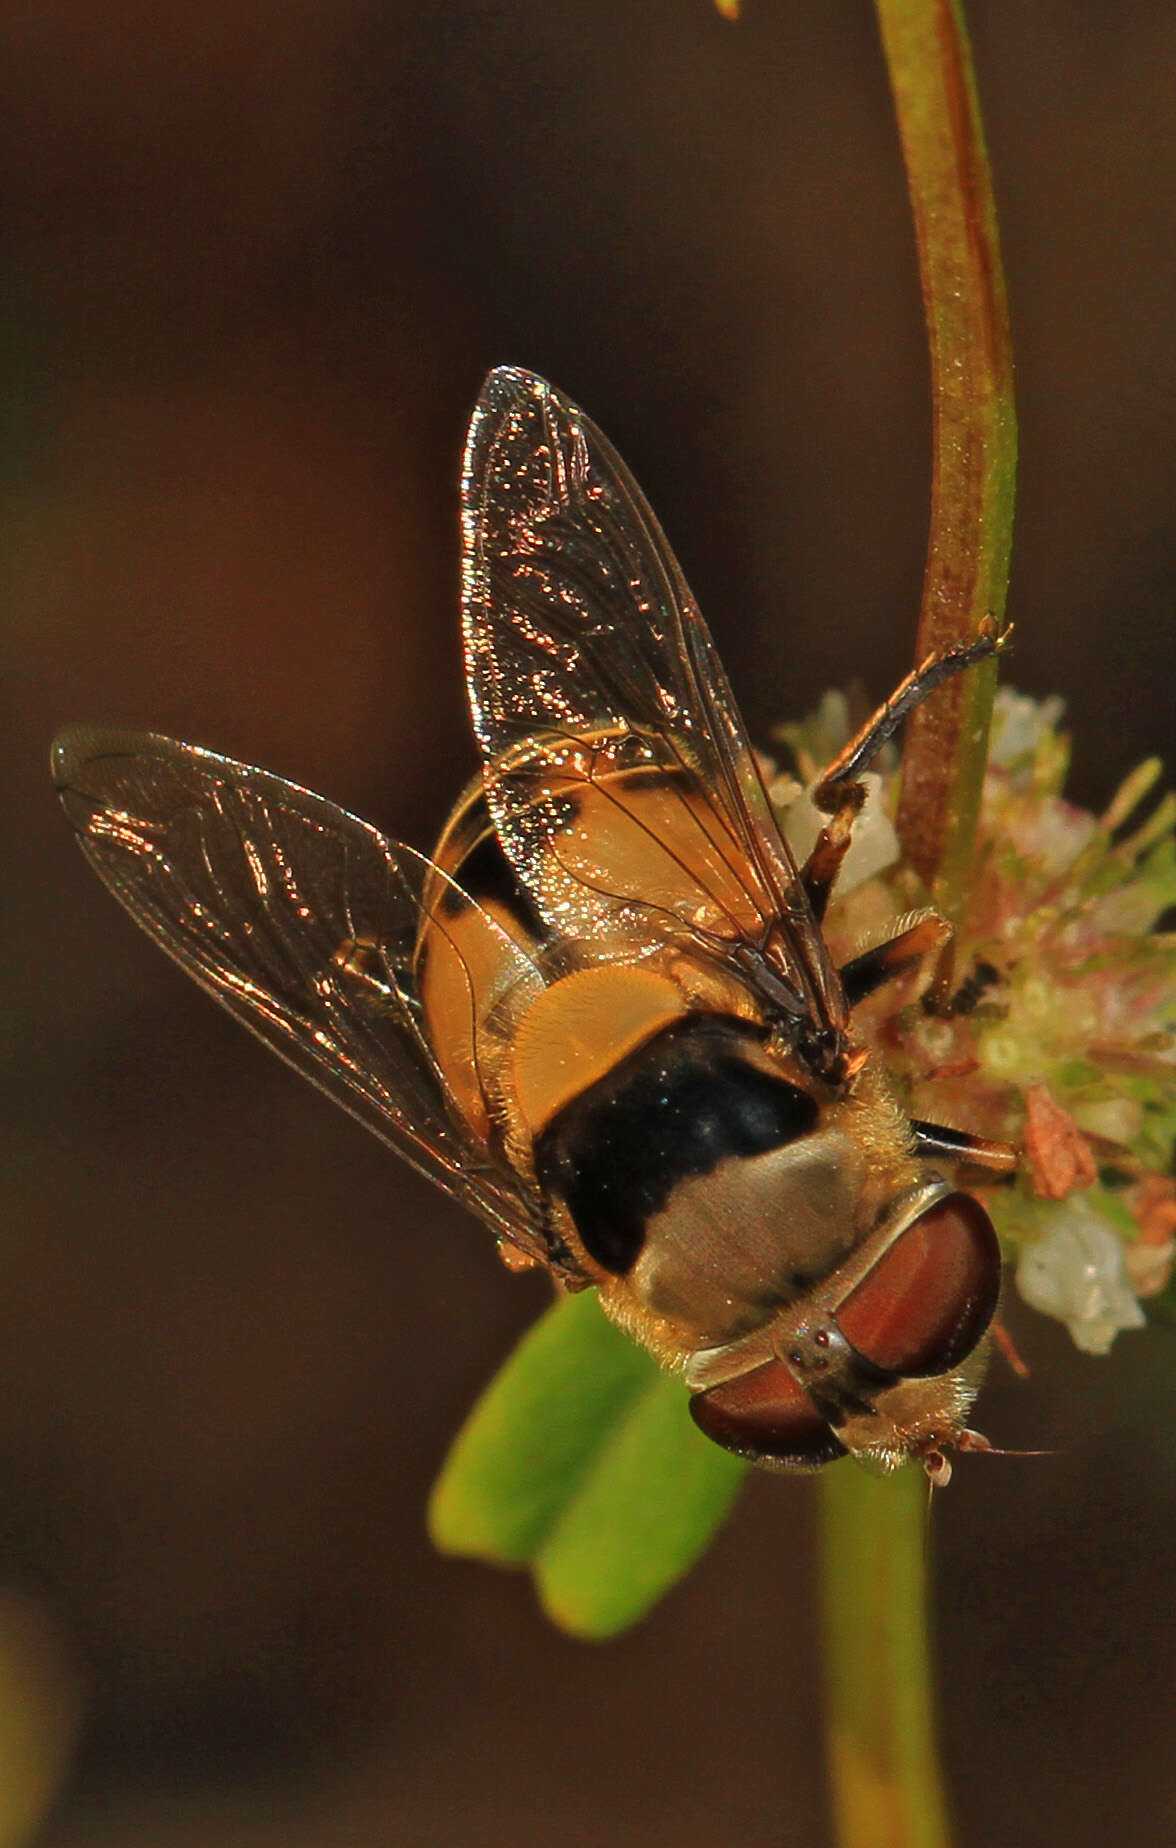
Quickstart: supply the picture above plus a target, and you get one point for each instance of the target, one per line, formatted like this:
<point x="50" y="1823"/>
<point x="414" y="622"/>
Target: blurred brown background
<point x="257" y="259"/>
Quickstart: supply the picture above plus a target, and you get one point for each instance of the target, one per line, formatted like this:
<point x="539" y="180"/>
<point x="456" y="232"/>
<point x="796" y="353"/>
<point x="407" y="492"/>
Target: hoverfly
<point x="603" y="1015"/>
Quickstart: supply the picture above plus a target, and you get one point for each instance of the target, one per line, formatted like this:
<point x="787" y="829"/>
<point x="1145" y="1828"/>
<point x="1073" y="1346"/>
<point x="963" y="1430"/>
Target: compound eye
<point x="765" y="1415"/>
<point x="927" y="1301"/>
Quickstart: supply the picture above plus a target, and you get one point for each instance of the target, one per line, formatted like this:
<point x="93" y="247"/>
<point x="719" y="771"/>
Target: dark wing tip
<point x="77" y="746"/>
<point x="508" y="388"/>
<point x="89" y="762"/>
<point x="508" y="391"/>
<point x="67" y="754"/>
<point x="74" y="750"/>
<point x="507" y="381"/>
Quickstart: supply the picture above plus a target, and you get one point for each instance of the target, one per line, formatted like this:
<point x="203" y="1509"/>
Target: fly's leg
<point x="861" y="750"/>
<point x="924" y="936"/>
<point x="927" y="935"/>
<point x="819" y="872"/>
<point x="972" y="989"/>
<point x="1007" y="1347"/>
<point x="936" y="1142"/>
<point x="840" y="792"/>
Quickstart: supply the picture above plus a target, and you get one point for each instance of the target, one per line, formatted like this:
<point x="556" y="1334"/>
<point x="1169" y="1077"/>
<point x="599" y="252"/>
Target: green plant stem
<point x="887" y="1790"/>
<point x="974" y="434"/>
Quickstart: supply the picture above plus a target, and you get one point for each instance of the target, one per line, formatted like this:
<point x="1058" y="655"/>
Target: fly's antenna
<point x="975" y="1441"/>
<point x="937" y="1463"/>
<point x="938" y="1466"/>
<point x="938" y="1471"/>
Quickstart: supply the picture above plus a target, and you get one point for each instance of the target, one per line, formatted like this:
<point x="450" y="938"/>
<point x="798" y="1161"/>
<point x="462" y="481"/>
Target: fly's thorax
<point x="702" y="1178"/>
<point x="871" y="1118"/>
<point x="731" y="1244"/>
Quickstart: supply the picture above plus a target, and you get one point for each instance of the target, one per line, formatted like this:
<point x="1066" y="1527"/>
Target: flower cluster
<point x="1060" y="1033"/>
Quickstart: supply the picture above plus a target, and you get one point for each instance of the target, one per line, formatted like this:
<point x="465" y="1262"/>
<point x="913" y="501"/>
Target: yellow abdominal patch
<point x="581" y="1027"/>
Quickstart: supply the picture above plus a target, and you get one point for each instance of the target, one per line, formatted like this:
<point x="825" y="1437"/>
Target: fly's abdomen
<point x="466" y="974"/>
<point x="591" y="1003"/>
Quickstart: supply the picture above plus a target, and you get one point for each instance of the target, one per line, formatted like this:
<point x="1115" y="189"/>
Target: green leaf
<point x="644" y="1514"/>
<point x="531" y="1438"/>
<point x="581" y="1460"/>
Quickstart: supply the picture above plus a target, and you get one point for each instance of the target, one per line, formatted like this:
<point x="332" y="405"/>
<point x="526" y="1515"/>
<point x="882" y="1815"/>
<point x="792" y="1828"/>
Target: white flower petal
<point x="1019" y="723"/>
<point x="1076" y="1271"/>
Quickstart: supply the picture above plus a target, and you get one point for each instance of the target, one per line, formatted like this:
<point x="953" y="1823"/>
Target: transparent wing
<point x="621" y="780"/>
<point x="302" y="921"/>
